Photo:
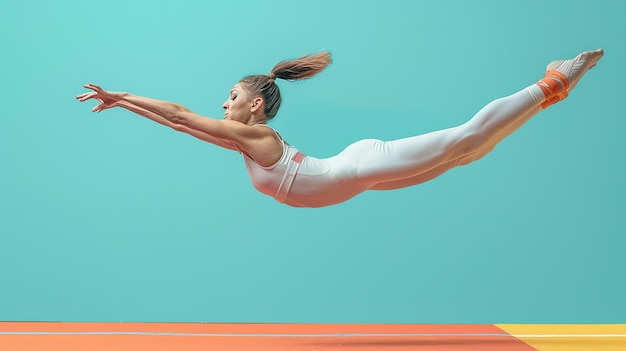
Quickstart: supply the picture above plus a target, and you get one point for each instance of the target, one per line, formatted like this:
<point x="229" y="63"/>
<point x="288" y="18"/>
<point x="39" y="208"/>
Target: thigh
<point x="415" y="180"/>
<point x="375" y="161"/>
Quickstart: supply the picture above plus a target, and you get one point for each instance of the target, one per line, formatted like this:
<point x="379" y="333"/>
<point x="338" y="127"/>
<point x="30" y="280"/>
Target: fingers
<point x="99" y="108"/>
<point x="93" y="87"/>
<point x="85" y="96"/>
<point x="93" y="95"/>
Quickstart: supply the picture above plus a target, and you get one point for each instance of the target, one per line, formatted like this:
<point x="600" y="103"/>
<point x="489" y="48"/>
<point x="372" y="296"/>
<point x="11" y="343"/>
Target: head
<point x="259" y="95"/>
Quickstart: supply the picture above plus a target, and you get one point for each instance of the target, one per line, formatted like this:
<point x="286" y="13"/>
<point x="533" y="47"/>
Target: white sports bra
<point x="304" y="181"/>
<point x="275" y="180"/>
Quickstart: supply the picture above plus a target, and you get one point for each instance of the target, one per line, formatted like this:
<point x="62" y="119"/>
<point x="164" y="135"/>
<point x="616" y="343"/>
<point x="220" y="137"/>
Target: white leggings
<point x="410" y="161"/>
<point x="384" y="165"/>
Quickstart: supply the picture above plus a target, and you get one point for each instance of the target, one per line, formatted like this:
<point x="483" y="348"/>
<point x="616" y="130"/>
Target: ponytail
<point x="291" y="70"/>
<point x="301" y="68"/>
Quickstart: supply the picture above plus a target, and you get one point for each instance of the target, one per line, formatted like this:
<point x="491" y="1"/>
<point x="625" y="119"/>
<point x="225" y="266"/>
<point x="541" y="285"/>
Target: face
<point x="238" y="106"/>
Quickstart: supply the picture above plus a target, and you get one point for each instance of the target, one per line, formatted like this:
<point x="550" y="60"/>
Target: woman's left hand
<point x="107" y="99"/>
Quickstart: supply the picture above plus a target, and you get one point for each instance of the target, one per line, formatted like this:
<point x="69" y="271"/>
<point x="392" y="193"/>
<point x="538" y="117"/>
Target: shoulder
<point x="265" y="147"/>
<point x="268" y="130"/>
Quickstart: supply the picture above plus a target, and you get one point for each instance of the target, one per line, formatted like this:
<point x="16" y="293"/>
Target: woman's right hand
<point x="107" y="99"/>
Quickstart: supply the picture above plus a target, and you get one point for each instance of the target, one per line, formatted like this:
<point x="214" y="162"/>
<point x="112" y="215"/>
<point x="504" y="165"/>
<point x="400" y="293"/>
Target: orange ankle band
<point x="554" y="85"/>
<point x="551" y="101"/>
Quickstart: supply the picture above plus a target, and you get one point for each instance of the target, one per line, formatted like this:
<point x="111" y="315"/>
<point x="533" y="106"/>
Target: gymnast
<point x="278" y="169"/>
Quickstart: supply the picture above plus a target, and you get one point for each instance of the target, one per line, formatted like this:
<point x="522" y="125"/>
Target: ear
<point x="258" y="104"/>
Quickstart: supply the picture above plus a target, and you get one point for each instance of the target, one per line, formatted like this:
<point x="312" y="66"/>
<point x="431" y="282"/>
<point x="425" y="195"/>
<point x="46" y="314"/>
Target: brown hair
<point x="265" y="86"/>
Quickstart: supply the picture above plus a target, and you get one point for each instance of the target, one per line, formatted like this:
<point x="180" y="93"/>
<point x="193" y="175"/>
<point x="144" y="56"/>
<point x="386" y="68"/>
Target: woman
<point x="281" y="171"/>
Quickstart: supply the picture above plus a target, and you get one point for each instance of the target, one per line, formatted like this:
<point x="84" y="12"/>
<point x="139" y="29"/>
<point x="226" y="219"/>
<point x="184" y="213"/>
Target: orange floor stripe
<point x="22" y="336"/>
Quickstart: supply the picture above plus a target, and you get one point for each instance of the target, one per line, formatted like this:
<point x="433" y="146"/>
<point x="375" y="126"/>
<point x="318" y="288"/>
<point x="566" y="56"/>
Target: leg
<point x="463" y="160"/>
<point x="418" y="179"/>
<point x="381" y="162"/>
<point x="570" y="70"/>
<point x="467" y="159"/>
<point x="414" y="160"/>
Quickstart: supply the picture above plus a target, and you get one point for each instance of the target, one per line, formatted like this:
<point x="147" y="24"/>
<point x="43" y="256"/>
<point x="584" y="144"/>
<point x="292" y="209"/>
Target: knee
<point x="471" y="141"/>
<point x="474" y="156"/>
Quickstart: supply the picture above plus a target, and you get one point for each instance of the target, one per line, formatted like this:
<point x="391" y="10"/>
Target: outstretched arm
<point x="163" y="112"/>
<point x="200" y="135"/>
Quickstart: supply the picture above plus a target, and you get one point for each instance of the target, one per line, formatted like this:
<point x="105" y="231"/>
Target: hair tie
<point x="271" y="76"/>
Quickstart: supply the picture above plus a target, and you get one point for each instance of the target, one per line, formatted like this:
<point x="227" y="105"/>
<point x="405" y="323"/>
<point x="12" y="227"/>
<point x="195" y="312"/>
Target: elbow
<point x="178" y="116"/>
<point x="177" y="127"/>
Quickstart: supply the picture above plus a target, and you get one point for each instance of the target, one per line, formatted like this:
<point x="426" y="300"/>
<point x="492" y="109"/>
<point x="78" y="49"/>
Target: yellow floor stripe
<point x="570" y="337"/>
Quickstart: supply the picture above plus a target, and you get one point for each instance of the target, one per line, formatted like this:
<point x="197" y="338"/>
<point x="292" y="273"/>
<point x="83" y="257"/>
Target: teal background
<point x="111" y="217"/>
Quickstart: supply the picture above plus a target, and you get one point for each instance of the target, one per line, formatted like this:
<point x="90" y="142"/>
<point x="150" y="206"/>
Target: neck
<point x="257" y="120"/>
